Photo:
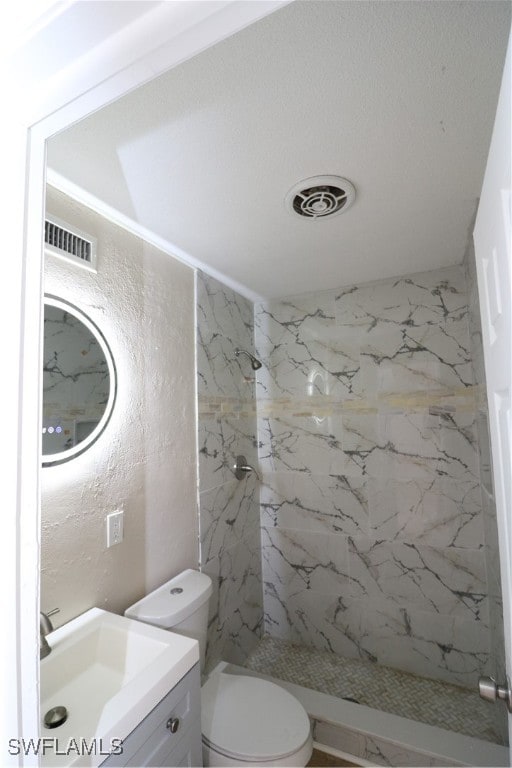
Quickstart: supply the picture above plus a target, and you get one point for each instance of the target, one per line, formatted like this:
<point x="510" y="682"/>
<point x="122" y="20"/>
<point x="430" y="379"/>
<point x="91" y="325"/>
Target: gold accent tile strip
<point x="465" y="399"/>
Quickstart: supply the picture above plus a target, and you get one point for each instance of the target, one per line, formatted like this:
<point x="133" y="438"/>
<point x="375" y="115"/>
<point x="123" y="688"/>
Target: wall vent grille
<point x="68" y="242"/>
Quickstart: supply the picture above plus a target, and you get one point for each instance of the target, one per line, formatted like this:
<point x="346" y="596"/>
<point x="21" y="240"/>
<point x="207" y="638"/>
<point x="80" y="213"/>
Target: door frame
<point x="491" y="238"/>
<point x="48" y="86"/>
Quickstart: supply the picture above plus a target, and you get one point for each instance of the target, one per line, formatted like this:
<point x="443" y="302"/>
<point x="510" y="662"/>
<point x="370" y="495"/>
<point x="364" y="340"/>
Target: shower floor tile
<point x="400" y="693"/>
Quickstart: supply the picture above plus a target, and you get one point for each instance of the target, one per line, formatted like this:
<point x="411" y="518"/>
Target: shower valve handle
<point x="242" y="468"/>
<point x="490" y="690"/>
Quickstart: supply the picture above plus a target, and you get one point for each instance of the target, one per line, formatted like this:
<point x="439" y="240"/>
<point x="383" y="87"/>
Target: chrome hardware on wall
<point x="255" y="363"/>
<point x="490" y="690"/>
<point x="45" y="627"/>
<point x="242" y="468"/>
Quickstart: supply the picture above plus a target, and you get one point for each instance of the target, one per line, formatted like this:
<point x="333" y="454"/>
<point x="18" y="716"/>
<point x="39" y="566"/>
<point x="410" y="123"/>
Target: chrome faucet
<point x="45" y="627"/>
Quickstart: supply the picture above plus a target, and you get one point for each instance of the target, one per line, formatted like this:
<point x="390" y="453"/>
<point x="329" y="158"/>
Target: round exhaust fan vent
<point x="321" y="197"/>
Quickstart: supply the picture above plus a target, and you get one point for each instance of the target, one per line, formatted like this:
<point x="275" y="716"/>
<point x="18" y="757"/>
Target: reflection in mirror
<point x="79" y="382"/>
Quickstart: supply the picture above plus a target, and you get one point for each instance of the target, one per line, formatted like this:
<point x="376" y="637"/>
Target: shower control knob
<point x="490" y="690"/>
<point x="173" y="724"/>
<point x="242" y="468"/>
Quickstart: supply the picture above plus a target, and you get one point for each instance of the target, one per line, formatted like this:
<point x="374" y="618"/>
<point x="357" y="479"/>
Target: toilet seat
<point x="252" y="720"/>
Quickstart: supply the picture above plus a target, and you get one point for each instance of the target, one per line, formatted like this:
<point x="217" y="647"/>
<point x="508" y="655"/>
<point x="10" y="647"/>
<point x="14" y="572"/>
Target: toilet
<point x="244" y="720"/>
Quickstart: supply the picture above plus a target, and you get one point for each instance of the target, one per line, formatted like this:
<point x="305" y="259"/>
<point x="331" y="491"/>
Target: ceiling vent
<point x="320" y="197"/>
<point x="68" y="242"/>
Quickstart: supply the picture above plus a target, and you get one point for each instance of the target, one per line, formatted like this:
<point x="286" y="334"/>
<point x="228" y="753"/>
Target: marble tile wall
<point x="230" y="545"/>
<point x="372" y="522"/>
<point x="375" y="750"/>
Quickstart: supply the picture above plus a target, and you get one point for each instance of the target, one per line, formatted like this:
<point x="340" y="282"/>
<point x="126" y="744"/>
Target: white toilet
<point x="244" y="720"/>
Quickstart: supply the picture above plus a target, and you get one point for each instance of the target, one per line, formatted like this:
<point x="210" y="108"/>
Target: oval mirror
<point x="79" y="382"/>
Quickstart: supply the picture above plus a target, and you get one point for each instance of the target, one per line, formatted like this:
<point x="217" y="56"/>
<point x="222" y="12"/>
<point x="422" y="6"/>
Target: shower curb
<point x="381" y="738"/>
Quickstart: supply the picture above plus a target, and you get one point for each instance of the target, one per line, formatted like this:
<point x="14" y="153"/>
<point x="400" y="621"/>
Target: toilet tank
<point x="180" y="605"/>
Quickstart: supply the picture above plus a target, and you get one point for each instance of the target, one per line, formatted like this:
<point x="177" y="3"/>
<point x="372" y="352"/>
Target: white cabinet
<point x="170" y="735"/>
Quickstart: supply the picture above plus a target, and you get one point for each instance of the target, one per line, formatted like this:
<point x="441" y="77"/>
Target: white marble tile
<point x="323" y="503"/>
<point x="298" y="560"/>
<point x="286" y="328"/>
<point x="457" y="444"/>
<point x="246" y="604"/>
<point x="225" y="513"/>
<point x="400" y="358"/>
<point x="219" y="570"/>
<point x="305" y="353"/>
<point x="301" y="444"/>
<point x="440" y="512"/>
<point x="417" y="445"/>
<point x="224" y="322"/>
<point x="360" y="441"/>
<point x="223" y="311"/>
<point x="427" y="644"/>
<point x="447" y="581"/>
<point x="278" y="620"/>
<point x="377" y="750"/>
<point x="315" y="619"/>
<point x="382" y="752"/>
<point x="413" y="367"/>
<point x="220" y="441"/>
<point x="236" y="606"/>
<point x="214" y="467"/>
<point x="416" y="300"/>
<point x="243" y="636"/>
<point x="382" y="462"/>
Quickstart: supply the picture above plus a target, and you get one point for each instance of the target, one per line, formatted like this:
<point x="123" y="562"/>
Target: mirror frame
<point x="53" y="459"/>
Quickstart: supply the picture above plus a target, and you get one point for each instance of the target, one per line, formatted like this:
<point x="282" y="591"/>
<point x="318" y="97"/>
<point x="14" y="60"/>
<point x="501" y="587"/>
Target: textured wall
<point x="372" y="525"/>
<point x="229" y="508"/>
<point x="145" y="461"/>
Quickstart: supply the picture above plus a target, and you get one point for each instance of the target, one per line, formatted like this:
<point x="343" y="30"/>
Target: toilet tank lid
<point x="174" y="601"/>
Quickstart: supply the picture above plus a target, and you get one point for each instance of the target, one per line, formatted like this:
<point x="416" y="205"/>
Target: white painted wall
<point x="145" y="461"/>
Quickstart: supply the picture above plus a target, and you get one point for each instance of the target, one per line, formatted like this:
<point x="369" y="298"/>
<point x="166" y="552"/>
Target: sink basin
<point x="109" y="672"/>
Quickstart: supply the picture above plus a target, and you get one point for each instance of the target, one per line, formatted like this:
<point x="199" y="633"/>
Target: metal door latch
<point x="490" y="690"/>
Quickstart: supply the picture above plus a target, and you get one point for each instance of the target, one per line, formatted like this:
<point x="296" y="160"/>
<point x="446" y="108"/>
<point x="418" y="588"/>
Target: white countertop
<point x="109" y="672"/>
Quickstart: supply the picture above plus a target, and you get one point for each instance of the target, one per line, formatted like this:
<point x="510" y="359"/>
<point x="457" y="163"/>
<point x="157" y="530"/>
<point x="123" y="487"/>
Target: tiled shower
<point x="229" y="524"/>
<point x="378" y="533"/>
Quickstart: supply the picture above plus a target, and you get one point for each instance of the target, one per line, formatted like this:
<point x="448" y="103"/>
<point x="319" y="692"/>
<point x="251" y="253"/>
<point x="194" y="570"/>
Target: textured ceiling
<point x="398" y="97"/>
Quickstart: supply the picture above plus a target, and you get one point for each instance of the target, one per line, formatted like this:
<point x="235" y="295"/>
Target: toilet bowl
<point x="244" y="720"/>
<point x="248" y="721"/>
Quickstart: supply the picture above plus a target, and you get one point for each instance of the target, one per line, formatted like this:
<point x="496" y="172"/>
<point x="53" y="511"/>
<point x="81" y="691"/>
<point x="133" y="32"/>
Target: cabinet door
<point x="188" y="753"/>
<point x="174" y="722"/>
<point x="164" y="748"/>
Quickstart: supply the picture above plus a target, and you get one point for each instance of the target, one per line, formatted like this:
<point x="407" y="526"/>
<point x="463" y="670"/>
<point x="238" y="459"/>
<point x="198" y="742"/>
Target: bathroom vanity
<point x="170" y="735"/>
<point x="122" y="685"/>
